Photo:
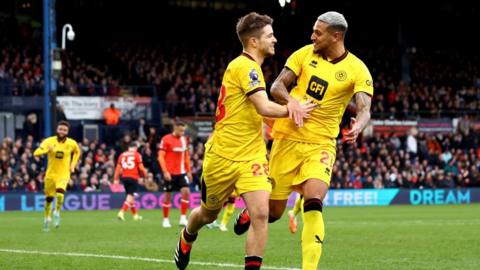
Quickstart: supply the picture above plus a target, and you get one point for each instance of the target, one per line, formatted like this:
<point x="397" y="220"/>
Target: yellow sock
<point x="298" y="205"/>
<point x="59" y="202"/>
<point x="227" y="213"/>
<point x="313" y="234"/>
<point x="48" y="209"/>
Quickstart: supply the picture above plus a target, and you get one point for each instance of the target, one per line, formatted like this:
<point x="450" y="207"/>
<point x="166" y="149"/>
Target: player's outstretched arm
<point x="279" y="91"/>
<point x="267" y="108"/>
<point x="363" y="102"/>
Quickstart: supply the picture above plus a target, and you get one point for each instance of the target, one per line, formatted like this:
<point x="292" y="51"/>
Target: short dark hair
<point x="63" y="123"/>
<point x="179" y="122"/>
<point x="133" y="144"/>
<point x="251" y="25"/>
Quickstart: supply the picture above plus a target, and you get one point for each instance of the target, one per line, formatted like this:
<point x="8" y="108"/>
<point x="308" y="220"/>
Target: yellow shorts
<point x="291" y="163"/>
<point x="222" y="177"/>
<point x="51" y="186"/>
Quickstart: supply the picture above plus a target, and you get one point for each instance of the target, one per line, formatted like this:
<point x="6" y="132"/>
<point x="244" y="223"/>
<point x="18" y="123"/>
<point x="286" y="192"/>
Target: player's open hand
<point x="167" y="176"/>
<point x="308" y="106"/>
<point x="352" y="134"/>
<point x="190" y="177"/>
<point x="295" y="111"/>
<point x="72" y="168"/>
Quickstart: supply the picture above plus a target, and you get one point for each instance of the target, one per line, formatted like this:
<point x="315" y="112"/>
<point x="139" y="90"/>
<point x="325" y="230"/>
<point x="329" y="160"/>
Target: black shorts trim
<point x="178" y="181"/>
<point x="130" y="185"/>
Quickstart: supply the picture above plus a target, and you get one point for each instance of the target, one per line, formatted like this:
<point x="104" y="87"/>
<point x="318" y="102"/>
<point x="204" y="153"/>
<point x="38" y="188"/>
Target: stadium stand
<point x="438" y="84"/>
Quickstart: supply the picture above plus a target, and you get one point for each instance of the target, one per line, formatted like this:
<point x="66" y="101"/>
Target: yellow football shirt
<point x="238" y="128"/>
<point x="330" y="84"/>
<point x="60" y="159"/>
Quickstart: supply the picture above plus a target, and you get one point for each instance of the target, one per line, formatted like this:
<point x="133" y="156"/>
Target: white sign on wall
<point x="91" y="108"/>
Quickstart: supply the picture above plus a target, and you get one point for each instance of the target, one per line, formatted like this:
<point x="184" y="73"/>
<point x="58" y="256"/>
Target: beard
<point x="318" y="51"/>
<point x="61" y="137"/>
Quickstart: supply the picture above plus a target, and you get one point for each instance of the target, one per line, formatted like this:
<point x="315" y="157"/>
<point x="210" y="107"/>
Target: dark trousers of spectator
<point x="110" y="134"/>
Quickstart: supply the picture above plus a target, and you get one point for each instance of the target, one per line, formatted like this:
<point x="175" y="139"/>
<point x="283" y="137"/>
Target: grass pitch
<point x="394" y="237"/>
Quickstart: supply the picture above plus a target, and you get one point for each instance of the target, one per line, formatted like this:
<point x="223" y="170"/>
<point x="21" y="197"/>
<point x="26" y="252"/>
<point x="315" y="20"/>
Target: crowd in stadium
<point x="441" y="84"/>
<point x="414" y="161"/>
<point x="188" y="82"/>
<point x="21" y="171"/>
<point x="381" y="161"/>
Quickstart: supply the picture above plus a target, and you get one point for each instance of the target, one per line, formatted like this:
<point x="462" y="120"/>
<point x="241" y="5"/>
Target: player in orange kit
<point x="129" y="165"/>
<point x="174" y="160"/>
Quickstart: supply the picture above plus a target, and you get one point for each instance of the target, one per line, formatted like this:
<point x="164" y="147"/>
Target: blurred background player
<point x="174" y="159"/>
<point x="63" y="154"/>
<point x="292" y="214"/>
<point x="228" y="210"/>
<point x="129" y="167"/>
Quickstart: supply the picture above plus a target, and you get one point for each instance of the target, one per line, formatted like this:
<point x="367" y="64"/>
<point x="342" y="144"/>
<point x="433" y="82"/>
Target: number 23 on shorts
<point x="257" y="169"/>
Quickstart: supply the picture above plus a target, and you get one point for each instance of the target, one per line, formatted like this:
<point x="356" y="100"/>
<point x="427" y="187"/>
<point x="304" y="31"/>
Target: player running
<point x="302" y="158"/>
<point x="235" y="155"/>
<point x="129" y="167"/>
<point x="63" y="154"/>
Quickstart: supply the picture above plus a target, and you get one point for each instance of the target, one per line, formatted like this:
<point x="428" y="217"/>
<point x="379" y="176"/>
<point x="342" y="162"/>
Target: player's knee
<point x="259" y="215"/>
<point x="313" y="204"/>
<point x="49" y="199"/>
<point x="60" y="190"/>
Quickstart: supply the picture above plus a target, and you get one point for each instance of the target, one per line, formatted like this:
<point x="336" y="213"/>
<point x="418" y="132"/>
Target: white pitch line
<point x="120" y="257"/>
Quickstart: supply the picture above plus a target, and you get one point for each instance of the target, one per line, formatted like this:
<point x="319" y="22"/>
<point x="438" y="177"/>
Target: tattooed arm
<point x="279" y="91"/>
<point x="279" y="87"/>
<point x="363" y="102"/>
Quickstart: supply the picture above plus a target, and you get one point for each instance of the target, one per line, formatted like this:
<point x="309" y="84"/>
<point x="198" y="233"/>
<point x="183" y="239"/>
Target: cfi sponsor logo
<point x="59" y="154"/>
